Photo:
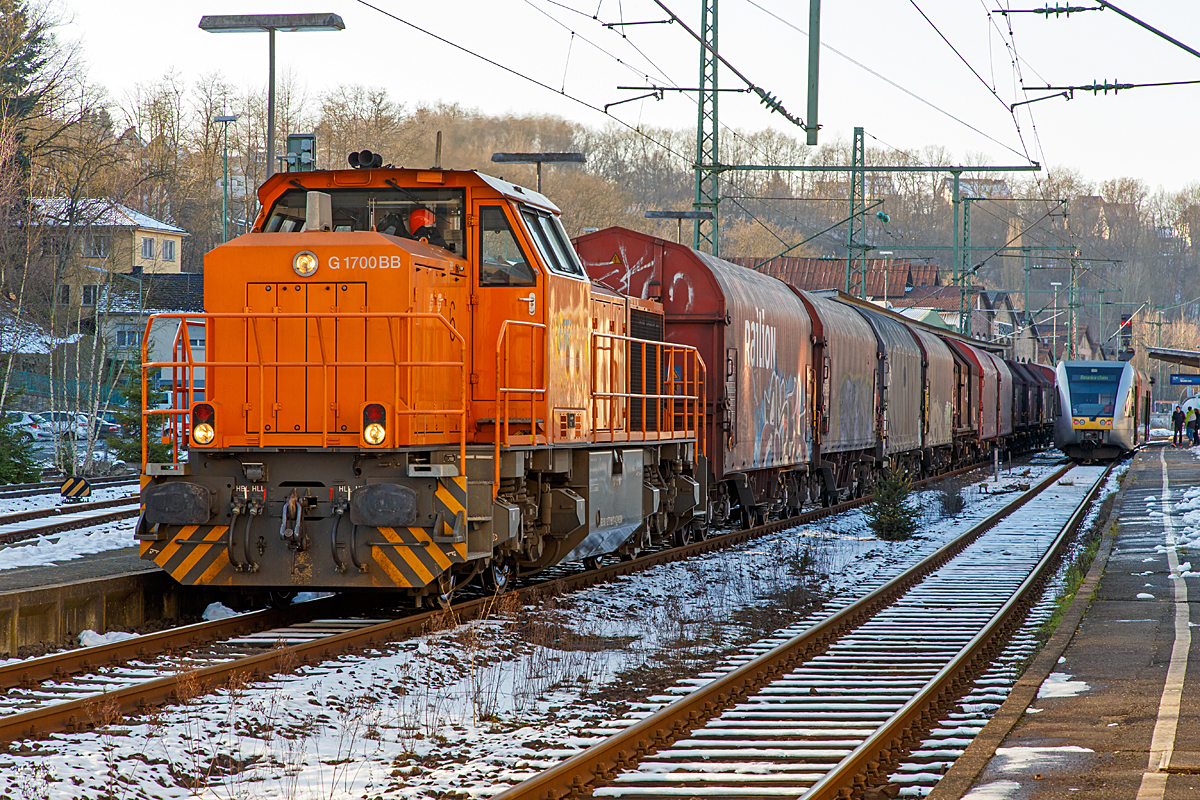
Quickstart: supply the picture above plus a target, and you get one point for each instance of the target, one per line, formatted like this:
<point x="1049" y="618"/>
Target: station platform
<point x="106" y="564"/>
<point x="1110" y="708"/>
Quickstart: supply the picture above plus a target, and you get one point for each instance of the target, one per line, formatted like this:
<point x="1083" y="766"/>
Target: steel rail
<point x="68" y="525"/>
<point x="69" y="508"/>
<point x="53" y="487"/>
<point x="72" y="715"/>
<point x="579" y="774"/>
<point x="879" y="746"/>
<point x="72" y="662"/>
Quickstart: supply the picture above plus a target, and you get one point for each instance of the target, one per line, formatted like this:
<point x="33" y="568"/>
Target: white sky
<point x="1143" y="133"/>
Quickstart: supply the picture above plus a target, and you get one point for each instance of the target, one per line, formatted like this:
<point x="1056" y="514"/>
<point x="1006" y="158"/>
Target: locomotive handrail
<point x="186" y="367"/>
<point x="693" y="380"/>
<point x="502" y="420"/>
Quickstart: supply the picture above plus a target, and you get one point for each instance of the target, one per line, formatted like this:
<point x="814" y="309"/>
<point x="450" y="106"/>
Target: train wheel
<point x="498" y="576"/>
<point x="447" y="585"/>
<point x="280" y="598"/>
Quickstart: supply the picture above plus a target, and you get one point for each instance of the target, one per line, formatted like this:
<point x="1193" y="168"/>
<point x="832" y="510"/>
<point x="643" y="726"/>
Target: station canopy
<point x="1185" y="358"/>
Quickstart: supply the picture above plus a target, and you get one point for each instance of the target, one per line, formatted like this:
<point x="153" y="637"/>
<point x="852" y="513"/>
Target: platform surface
<point x="105" y="564"/>
<point x="1120" y="715"/>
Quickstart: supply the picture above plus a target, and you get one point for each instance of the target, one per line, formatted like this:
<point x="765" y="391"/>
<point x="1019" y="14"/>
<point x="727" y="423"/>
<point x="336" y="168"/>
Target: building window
<point x="90" y="292"/>
<point x="168" y="250"/>
<point x="127" y="337"/>
<point x="147" y="247"/>
<point x="64" y="295"/>
<point x="96" y="245"/>
<point x="51" y="246"/>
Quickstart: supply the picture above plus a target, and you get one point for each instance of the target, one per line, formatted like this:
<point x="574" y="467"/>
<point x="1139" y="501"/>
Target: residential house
<point x="987" y="188"/>
<point x="128" y="305"/>
<point x="106" y="237"/>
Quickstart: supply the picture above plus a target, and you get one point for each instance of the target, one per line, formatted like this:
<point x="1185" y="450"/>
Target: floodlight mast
<point x="253" y="23"/>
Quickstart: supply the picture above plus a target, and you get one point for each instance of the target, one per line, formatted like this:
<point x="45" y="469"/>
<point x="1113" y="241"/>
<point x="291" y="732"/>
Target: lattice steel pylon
<point x="856" y="250"/>
<point x="708" y="193"/>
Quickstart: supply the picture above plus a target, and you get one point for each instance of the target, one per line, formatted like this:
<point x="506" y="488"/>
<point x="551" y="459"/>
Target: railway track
<point x="17" y="527"/>
<point x="143" y="672"/>
<point x="19" y="490"/>
<point x="830" y="709"/>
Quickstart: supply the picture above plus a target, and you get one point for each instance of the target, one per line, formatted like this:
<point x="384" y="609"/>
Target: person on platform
<point x="1177" y="424"/>
<point x="1194" y="426"/>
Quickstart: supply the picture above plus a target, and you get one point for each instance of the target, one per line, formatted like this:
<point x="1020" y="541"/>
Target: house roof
<point x="164" y="293"/>
<point x="926" y="315"/>
<point x="20" y="336"/>
<point x="813" y="274"/>
<point x="100" y="212"/>
<point x="940" y="298"/>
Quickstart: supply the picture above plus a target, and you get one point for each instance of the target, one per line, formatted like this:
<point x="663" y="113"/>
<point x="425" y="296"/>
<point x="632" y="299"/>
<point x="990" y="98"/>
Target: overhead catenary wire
<point x="890" y="82"/>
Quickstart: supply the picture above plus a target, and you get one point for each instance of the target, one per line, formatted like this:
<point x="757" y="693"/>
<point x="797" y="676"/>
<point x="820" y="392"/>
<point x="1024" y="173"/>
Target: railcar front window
<point x="1093" y="390"/>
<point x="501" y="261"/>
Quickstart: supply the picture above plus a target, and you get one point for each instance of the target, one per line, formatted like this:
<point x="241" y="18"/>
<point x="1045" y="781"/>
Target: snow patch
<point x="996" y="790"/>
<point x="89" y="638"/>
<point x="218" y="610"/>
<point x="1059" y="684"/>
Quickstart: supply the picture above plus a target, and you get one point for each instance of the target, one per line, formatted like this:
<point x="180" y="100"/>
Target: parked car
<point x="67" y="423"/>
<point x="32" y="427"/>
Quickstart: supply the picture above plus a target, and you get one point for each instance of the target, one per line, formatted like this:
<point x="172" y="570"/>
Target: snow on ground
<point x="89" y="638"/>
<point x="69" y="545"/>
<point x="37" y="502"/>
<point x="1059" y="684"/>
<point x="469" y="709"/>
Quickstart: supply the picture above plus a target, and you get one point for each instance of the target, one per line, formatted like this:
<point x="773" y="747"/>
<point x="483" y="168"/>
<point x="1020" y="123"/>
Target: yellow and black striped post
<point x="76" y="489"/>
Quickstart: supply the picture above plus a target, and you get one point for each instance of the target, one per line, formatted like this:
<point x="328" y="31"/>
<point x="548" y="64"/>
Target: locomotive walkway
<point x="1111" y="707"/>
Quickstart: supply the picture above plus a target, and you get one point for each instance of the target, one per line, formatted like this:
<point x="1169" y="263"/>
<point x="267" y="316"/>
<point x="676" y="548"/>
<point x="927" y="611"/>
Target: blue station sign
<point x="1185" y="380"/>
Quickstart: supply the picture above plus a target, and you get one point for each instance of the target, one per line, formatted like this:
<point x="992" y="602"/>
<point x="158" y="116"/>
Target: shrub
<point x="18" y="459"/>
<point x="892" y="515"/>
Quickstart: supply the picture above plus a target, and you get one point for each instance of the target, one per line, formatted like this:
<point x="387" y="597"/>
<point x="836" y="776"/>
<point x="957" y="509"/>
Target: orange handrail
<point x="184" y="369"/>
<point x="502" y="359"/>
<point x="689" y="388"/>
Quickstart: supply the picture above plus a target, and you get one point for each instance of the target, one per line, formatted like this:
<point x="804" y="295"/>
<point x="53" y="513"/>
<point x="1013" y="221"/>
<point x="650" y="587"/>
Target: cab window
<point x="389" y="211"/>
<point x="501" y="260"/>
<point x="547" y="232"/>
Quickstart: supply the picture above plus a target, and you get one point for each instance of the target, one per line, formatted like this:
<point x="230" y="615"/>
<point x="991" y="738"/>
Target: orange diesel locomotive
<point x="409" y="381"/>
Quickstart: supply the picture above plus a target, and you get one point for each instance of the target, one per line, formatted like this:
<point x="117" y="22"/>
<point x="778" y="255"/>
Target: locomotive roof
<point x="378" y="178"/>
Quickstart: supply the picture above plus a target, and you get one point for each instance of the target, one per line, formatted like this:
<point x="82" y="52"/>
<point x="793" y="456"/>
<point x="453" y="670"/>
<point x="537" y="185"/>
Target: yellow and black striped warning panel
<point x="76" y="489"/>
<point x="450" y="500"/>
<point x="411" y="559"/>
<point x="194" y="555"/>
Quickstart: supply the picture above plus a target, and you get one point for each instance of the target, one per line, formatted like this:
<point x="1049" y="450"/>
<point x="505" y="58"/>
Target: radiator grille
<point x="643" y="325"/>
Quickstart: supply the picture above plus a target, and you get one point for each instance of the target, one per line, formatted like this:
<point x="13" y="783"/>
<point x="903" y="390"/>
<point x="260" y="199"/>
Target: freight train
<point x="412" y="380"/>
<point x="1104" y="409"/>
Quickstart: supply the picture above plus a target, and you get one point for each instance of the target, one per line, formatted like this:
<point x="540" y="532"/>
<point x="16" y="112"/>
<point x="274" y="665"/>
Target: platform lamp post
<point x="679" y="217"/>
<point x="539" y="159"/>
<point x="254" y="23"/>
<point x="225" y="184"/>
<point x="1054" y="340"/>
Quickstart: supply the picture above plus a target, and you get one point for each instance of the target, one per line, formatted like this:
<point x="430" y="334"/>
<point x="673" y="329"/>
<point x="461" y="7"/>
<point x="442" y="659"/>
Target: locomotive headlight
<point x="374" y="422"/>
<point x="374" y="433"/>
<point x="203" y="433"/>
<point x="204" y="420"/>
<point x="305" y="263"/>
